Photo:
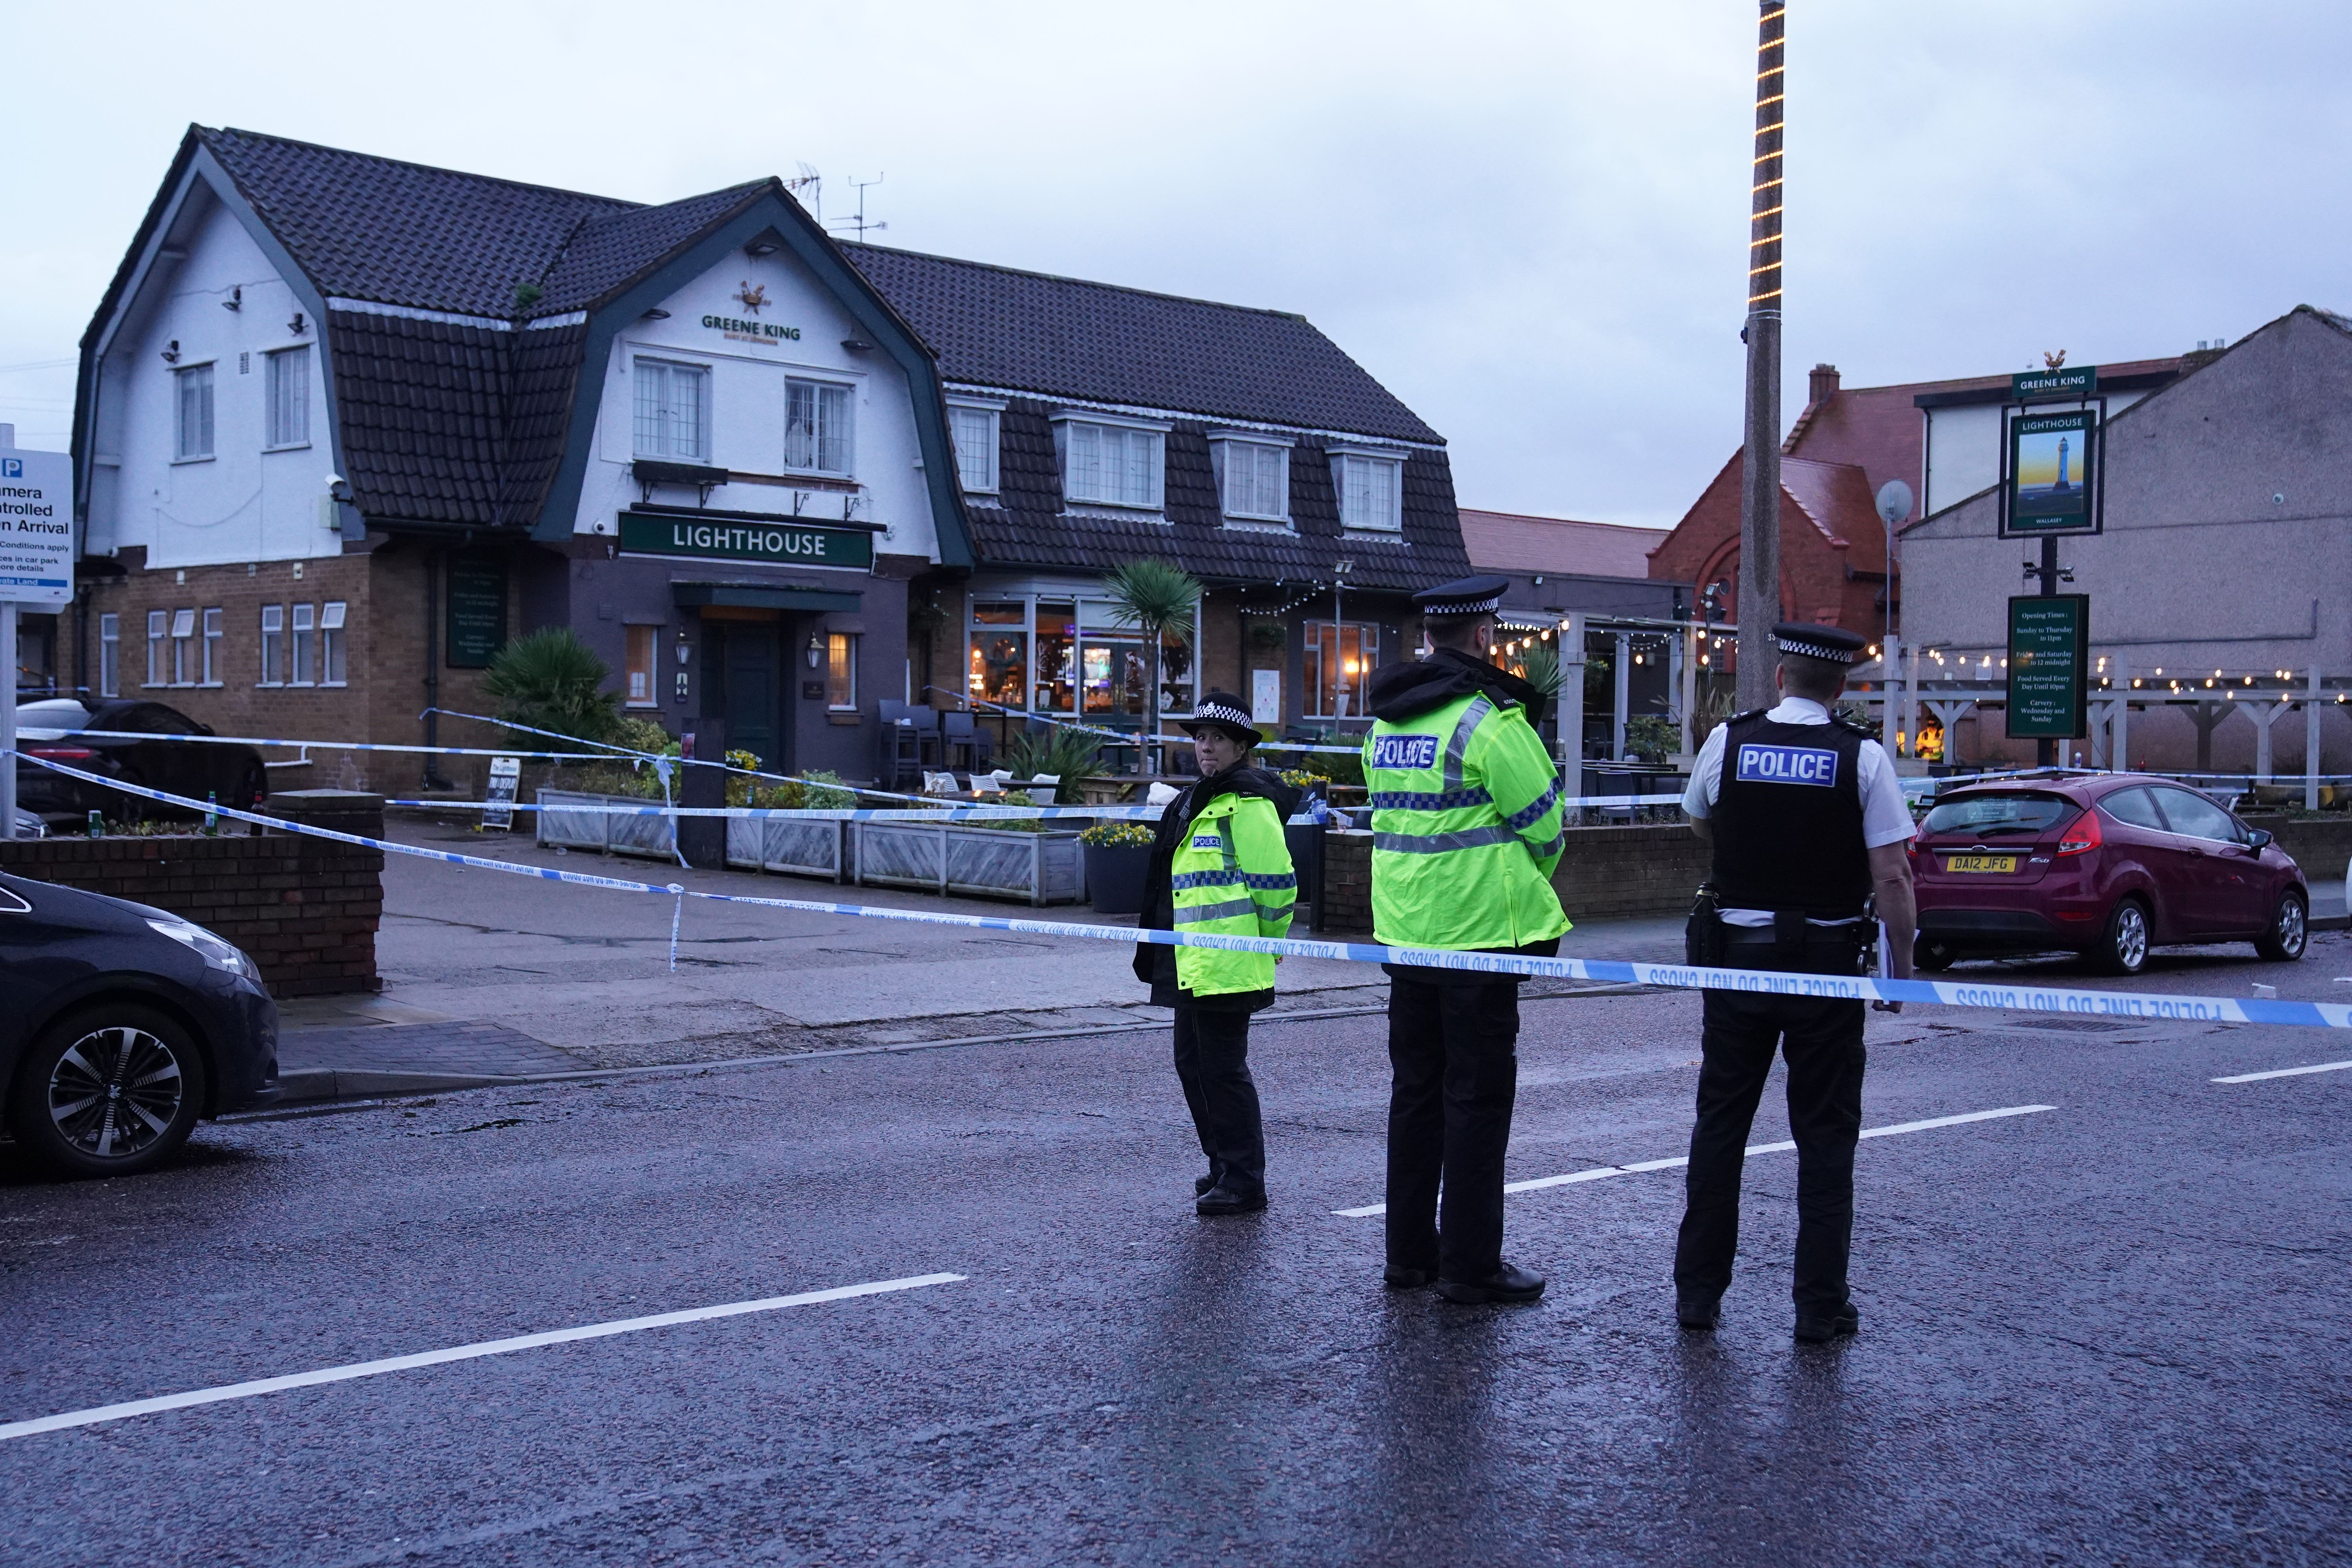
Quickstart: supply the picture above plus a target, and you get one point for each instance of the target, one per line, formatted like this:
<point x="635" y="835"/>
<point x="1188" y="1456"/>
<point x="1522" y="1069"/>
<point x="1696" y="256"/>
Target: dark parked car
<point x="232" y="774"/>
<point x="2108" y="866"/>
<point x="121" y="1027"/>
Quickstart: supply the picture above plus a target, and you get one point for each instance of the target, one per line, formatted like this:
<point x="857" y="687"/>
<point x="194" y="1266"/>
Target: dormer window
<point x="1253" y="477"/>
<point x="973" y="424"/>
<point x="1107" y="461"/>
<point x="1370" y="482"/>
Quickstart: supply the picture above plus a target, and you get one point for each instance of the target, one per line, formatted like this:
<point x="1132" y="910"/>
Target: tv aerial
<point x="859" y="224"/>
<point x="808" y="179"/>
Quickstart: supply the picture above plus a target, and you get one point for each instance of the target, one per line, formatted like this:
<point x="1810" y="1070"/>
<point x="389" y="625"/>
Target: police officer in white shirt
<point x="1808" y="827"/>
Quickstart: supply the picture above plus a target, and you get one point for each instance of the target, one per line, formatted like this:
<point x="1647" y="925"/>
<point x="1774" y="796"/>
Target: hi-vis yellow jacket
<point x="1232" y="876"/>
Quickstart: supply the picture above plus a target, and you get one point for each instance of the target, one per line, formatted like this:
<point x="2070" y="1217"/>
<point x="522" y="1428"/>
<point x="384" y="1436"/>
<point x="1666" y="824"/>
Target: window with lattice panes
<point x="673" y="411"/>
<point x="1254" y="479"/>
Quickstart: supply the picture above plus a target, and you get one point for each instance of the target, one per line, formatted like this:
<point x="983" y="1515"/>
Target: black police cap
<point x="1223" y="712"/>
<point x="1462" y="598"/>
<point x="1806" y="639"/>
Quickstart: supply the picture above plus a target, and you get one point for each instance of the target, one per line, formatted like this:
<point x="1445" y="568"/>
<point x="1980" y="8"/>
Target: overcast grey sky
<point x="1527" y="219"/>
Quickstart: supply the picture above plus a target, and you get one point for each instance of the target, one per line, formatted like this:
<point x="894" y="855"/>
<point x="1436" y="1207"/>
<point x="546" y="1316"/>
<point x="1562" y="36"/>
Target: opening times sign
<point x="2048" y="667"/>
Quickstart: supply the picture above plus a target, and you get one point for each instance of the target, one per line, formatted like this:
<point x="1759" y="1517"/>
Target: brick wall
<point x="1605" y="873"/>
<point x="382" y="590"/>
<point x="306" y="910"/>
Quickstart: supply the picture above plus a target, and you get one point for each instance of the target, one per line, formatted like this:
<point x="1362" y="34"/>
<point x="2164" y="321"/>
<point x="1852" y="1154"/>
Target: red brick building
<point x="1833" y="543"/>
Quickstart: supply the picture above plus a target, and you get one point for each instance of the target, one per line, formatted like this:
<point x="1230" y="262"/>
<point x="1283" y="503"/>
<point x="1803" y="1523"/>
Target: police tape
<point x="46" y="732"/>
<point x="2145" y="1006"/>
<point x="904" y="813"/>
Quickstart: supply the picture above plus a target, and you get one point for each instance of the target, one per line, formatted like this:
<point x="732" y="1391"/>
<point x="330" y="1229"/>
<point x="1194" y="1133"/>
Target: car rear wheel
<point x="1933" y="957"/>
<point x="2289" y="933"/>
<point x="2122" y="945"/>
<point x="111" y="1090"/>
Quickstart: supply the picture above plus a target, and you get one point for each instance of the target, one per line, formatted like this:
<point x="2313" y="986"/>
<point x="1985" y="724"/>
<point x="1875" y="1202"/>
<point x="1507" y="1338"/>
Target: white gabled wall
<point x="747" y="403"/>
<point x="244" y="503"/>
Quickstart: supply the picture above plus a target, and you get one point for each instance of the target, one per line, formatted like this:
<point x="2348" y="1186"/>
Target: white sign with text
<point x="36" y="527"/>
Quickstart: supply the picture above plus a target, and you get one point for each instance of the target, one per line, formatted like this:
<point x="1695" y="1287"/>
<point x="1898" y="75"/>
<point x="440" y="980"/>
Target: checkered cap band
<point x="1486" y="606"/>
<point x="1804" y="649"/>
<point x="1221" y="714"/>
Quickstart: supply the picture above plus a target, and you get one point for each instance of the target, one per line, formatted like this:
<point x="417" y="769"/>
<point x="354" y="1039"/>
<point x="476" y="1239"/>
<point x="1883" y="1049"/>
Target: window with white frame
<point x="1372" y="489"/>
<point x="1337" y="664"/>
<point x="273" y="645"/>
<point x="1253" y="477"/>
<point x="159" y="632"/>
<point x="1110" y="465"/>
<point x="817" y="427"/>
<point x="306" y="618"/>
<point x="673" y="411"/>
<point x="110" y="656"/>
<point x="973" y="427"/>
<point x="213" y="648"/>
<point x="184" y="648"/>
<point x="330" y="644"/>
<point x="287" y="389"/>
<point x="193" y="422"/>
<point x="1056" y="652"/>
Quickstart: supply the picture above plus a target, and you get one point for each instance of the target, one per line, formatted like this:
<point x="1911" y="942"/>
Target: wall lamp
<point x="171" y="352"/>
<point x="682" y="651"/>
<point x="857" y="345"/>
<point x="299" y="325"/>
<point x="235" y="301"/>
<point x="655" y="314"/>
<point x="816" y="651"/>
<point x="761" y="247"/>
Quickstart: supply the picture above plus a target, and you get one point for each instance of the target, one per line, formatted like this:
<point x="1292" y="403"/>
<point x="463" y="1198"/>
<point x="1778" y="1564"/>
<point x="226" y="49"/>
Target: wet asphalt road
<point x="2109" y="1333"/>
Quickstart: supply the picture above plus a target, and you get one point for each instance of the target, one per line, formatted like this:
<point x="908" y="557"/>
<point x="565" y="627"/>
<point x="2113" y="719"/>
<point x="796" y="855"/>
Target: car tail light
<point x="61" y="754"/>
<point x="2082" y="834"/>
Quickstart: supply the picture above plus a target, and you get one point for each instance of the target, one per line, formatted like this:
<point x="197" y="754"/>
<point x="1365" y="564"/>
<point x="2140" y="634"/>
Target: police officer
<point x="1465" y="831"/>
<point x="1807" y="823"/>
<point x="1220" y="866"/>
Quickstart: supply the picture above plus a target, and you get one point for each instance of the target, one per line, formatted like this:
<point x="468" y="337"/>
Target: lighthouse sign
<point x="2051" y="485"/>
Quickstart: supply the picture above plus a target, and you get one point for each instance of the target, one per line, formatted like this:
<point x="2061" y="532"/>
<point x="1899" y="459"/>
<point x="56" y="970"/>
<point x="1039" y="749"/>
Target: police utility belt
<point x="1792" y="943"/>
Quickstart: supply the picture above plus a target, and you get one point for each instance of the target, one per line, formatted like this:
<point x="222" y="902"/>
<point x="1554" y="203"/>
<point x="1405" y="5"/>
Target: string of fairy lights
<point x="1765" y="191"/>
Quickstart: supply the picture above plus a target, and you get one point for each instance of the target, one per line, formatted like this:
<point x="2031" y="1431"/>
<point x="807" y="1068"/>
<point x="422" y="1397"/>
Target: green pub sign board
<point x="730" y="539"/>
<point x="2053" y="474"/>
<point x="2048" y="667"/>
<point x="2055" y="385"/>
<point x="477" y="610"/>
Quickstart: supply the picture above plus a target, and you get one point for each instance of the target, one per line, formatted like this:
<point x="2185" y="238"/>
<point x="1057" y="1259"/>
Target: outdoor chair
<point x="964" y="743"/>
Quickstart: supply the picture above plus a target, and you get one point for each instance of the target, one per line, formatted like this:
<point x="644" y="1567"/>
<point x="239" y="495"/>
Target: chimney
<point x="1822" y="385"/>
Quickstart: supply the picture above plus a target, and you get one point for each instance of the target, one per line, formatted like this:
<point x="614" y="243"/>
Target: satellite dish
<point x="1894" y="501"/>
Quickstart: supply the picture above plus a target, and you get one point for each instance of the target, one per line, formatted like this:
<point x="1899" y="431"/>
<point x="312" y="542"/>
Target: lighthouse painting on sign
<point x="2052" y="461"/>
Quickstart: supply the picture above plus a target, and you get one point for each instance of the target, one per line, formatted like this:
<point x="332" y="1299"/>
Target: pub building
<point x="346" y="425"/>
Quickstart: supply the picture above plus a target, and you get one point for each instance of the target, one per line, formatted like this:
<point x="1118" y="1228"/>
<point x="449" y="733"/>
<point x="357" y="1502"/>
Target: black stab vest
<point x="1788" y="818"/>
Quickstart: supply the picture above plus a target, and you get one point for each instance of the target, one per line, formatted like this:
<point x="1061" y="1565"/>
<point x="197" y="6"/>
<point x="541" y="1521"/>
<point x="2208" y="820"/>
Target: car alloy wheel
<point x="2125" y="947"/>
<point x="2289" y="931"/>
<point x="115" y="1092"/>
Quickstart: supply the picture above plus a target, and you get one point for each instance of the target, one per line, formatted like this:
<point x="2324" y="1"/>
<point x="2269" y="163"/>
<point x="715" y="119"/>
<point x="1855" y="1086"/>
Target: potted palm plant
<point x="1158" y="600"/>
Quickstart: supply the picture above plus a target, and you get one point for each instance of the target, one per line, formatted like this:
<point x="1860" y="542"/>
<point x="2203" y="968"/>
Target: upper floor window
<point x="212" y="666"/>
<point x="330" y="643"/>
<point x="273" y="645"/>
<point x="305" y="626"/>
<point x="1116" y="465"/>
<point x="195" y="419"/>
<point x="1253" y="477"/>
<point x="288" y="391"/>
<point x="817" y="427"/>
<point x="158" y="627"/>
<point x="110" y="656"/>
<point x="973" y="427"/>
<point x="1371" y="489"/>
<point x="184" y="648"/>
<point x="673" y="411"/>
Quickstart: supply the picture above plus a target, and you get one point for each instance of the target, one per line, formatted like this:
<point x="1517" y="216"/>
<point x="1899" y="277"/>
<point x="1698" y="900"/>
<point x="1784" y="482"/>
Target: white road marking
<point x="2284" y="1072"/>
<point x="1600" y="1171"/>
<point x="457" y="1353"/>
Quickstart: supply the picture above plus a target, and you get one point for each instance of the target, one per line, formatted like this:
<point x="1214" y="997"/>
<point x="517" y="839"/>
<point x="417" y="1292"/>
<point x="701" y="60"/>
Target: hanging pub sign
<point x="2053" y="473"/>
<point x="2048" y="667"/>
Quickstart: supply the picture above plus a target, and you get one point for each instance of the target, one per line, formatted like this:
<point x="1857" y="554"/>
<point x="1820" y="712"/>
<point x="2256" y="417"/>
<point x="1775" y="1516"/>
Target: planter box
<point x="798" y="846"/>
<point x="605" y="831"/>
<point x="1115" y="877"/>
<point x="1036" y="868"/>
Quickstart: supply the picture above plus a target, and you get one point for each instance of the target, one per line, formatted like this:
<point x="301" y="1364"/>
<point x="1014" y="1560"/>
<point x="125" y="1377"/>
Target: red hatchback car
<point x="2107" y="866"/>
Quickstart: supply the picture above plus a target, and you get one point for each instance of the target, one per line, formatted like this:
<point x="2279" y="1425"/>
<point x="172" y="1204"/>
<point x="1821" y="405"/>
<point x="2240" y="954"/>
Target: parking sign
<point x="37" y="529"/>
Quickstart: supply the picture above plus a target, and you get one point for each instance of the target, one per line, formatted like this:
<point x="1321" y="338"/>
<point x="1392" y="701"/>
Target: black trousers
<point x="1453" y="1050"/>
<point x="1822" y="1040"/>
<point x="1212" y="1064"/>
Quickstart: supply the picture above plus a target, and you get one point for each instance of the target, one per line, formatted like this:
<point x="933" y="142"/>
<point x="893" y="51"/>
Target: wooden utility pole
<point x="1759" y="488"/>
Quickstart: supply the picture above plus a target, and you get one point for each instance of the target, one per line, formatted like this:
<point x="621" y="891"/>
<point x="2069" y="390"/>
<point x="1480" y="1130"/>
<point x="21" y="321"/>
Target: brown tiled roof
<point x="1520" y="542"/>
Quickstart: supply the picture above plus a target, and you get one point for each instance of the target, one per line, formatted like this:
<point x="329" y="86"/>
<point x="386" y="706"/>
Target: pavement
<point x="2106" y="1326"/>
<point x="471" y="959"/>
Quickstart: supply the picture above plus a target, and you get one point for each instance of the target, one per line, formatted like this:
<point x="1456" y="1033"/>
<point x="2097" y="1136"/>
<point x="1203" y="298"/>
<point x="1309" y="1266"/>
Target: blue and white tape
<point x="903" y="814"/>
<point x="2153" y="1006"/>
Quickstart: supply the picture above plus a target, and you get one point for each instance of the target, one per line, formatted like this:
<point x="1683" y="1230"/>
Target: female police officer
<point x="1219" y="867"/>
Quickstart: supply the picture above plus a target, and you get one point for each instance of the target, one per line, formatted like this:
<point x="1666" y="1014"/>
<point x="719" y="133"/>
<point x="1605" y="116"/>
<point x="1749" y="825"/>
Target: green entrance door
<point x="753" y="685"/>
